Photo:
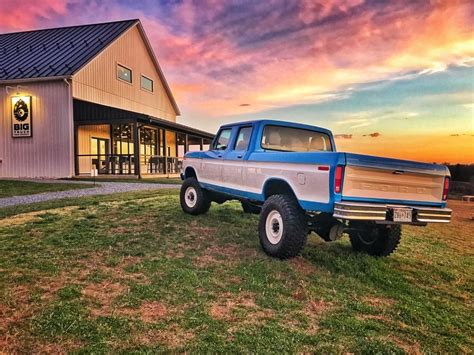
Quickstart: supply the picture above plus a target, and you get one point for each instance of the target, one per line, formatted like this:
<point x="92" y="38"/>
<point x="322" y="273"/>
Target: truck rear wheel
<point x="282" y="227"/>
<point x="376" y="240"/>
<point x="194" y="200"/>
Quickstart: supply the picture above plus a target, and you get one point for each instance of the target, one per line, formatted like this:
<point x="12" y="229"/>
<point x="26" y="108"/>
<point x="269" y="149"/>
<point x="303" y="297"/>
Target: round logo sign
<point x="20" y="111"/>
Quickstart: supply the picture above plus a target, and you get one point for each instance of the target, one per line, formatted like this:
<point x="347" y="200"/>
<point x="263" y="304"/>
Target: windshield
<point x="289" y="139"/>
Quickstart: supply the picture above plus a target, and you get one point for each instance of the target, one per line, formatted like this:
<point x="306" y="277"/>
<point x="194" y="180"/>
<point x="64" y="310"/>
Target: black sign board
<point x="21" y="116"/>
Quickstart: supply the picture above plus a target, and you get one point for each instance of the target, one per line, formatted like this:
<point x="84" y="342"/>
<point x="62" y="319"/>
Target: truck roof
<point x="278" y="123"/>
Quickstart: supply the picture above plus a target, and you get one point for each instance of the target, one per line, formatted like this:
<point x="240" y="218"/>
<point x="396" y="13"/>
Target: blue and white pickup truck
<point x="293" y="177"/>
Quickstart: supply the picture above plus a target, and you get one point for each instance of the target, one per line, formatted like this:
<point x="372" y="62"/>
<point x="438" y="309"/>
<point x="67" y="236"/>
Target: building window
<point x="123" y="139"/>
<point x="124" y="74"/>
<point x="146" y="84"/>
<point x="148" y="141"/>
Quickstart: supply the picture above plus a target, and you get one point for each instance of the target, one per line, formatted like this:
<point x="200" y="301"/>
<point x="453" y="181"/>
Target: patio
<point x="114" y="142"/>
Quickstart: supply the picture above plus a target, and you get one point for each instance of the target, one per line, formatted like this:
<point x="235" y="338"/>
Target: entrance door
<point x="99" y="153"/>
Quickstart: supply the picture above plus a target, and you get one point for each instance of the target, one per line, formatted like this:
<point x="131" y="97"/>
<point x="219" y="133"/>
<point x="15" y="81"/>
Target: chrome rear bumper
<point x="382" y="212"/>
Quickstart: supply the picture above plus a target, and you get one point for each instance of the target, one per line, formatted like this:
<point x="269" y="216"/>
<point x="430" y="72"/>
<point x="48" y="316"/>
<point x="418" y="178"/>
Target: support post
<point x="165" y="148"/>
<point x="76" y="149"/>
<point x="136" y="149"/>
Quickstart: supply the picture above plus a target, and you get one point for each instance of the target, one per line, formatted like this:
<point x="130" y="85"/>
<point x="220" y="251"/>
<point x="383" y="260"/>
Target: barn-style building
<point x="80" y="100"/>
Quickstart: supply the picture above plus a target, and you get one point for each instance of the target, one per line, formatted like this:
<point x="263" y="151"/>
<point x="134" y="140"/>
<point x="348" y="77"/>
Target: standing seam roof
<point x="55" y="52"/>
<point x="61" y="52"/>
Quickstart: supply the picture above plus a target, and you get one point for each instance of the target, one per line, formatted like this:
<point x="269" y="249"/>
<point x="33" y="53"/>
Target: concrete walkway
<point x="101" y="188"/>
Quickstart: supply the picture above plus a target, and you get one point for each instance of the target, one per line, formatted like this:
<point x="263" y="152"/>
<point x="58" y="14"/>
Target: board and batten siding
<point x="97" y="82"/>
<point x="49" y="152"/>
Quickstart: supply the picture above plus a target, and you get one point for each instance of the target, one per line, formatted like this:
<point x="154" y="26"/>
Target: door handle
<point x="239" y="156"/>
<point x="219" y="156"/>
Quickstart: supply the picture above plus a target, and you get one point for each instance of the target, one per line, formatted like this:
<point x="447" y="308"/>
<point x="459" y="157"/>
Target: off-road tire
<point x="376" y="240"/>
<point x="201" y="201"/>
<point x="249" y="208"/>
<point x="293" y="223"/>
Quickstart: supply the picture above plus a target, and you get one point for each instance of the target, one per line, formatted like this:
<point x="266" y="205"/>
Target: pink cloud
<point x="27" y="14"/>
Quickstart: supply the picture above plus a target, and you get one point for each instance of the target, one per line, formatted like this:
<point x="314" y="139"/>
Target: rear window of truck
<point x="288" y="139"/>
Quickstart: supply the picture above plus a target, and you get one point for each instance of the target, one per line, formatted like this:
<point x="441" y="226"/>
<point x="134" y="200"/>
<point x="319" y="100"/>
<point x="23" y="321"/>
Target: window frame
<point x="331" y="147"/>
<point x="125" y="67"/>
<point x="237" y="139"/>
<point x="216" y="140"/>
<point x="152" y="84"/>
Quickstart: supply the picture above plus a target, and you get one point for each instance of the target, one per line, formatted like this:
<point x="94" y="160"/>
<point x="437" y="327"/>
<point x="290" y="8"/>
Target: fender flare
<point x="277" y="180"/>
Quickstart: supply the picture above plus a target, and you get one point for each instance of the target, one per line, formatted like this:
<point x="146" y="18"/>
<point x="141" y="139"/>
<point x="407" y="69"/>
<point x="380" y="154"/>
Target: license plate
<point x="402" y="215"/>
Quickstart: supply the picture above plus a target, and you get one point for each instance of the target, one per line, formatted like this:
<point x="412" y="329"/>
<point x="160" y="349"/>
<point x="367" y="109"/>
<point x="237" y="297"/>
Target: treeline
<point x="462" y="172"/>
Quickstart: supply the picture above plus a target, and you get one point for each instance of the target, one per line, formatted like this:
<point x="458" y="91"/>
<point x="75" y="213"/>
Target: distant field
<point x="10" y="188"/>
<point x="132" y="273"/>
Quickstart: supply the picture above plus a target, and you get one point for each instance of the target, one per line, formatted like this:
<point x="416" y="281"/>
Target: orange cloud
<point x="343" y="136"/>
<point x="373" y="135"/>
<point x="428" y="148"/>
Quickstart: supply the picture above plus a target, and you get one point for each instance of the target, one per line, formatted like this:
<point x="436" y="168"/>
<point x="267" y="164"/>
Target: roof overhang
<point x="33" y="80"/>
<point x="175" y="126"/>
<point x="92" y="113"/>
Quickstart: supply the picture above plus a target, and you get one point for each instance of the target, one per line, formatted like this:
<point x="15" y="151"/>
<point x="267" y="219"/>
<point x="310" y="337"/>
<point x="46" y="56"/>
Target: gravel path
<point x="102" y="188"/>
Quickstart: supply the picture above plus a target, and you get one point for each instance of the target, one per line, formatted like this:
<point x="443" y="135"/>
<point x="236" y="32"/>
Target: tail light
<point x="445" y="188"/>
<point x="338" y="179"/>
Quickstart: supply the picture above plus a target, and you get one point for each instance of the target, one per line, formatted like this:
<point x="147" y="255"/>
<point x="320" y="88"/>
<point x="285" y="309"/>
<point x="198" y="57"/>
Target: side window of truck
<point x="243" y="138"/>
<point x="222" y="140"/>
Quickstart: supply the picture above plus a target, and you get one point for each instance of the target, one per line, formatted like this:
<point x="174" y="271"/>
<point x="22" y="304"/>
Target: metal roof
<point x="61" y="52"/>
<point x="55" y="52"/>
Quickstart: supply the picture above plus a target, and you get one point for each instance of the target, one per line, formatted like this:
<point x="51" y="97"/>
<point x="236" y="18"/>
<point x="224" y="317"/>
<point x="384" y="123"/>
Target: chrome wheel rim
<point x="274" y="227"/>
<point x="190" y="196"/>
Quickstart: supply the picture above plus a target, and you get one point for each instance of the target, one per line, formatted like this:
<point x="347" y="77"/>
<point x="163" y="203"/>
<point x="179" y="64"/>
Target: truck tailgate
<point x="375" y="178"/>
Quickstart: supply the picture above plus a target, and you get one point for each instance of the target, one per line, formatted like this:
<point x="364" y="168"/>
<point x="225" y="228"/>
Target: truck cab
<point x="295" y="169"/>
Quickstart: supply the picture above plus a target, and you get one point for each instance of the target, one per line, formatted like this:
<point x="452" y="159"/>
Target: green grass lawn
<point x="132" y="273"/>
<point x="9" y="188"/>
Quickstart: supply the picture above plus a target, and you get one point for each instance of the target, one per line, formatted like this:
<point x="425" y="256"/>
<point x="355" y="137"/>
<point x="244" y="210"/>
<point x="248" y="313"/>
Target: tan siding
<point x="84" y="135"/>
<point x="97" y="82"/>
<point x="49" y="153"/>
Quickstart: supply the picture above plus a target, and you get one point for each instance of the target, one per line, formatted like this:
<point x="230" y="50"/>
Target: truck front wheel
<point x="193" y="198"/>
<point x="282" y="227"/>
<point x="375" y="240"/>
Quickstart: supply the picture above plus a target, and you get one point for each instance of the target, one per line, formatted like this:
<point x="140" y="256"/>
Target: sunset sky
<point x="391" y="78"/>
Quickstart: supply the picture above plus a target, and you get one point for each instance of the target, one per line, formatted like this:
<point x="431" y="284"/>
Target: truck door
<point x="211" y="171"/>
<point x="234" y="158"/>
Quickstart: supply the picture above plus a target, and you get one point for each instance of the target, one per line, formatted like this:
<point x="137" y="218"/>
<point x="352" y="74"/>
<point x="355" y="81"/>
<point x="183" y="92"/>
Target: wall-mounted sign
<point x="21" y="116"/>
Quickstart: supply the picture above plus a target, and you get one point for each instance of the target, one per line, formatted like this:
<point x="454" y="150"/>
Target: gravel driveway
<point x="102" y="188"/>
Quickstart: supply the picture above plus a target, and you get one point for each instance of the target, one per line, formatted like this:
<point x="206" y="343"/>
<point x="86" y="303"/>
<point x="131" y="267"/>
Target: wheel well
<point x="190" y="172"/>
<point x="277" y="187"/>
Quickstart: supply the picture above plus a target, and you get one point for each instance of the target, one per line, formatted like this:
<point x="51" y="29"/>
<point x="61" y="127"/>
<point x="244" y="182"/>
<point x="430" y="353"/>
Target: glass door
<point x="99" y="153"/>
